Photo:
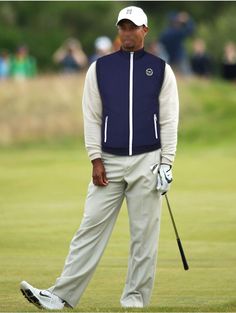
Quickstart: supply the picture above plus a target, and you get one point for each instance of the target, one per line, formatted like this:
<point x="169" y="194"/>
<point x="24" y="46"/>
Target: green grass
<point x="43" y="183"/>
<point x="42" y="195"/>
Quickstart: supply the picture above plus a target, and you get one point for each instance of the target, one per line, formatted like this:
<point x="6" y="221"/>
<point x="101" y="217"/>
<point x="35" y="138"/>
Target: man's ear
<point x="146" y="29"/>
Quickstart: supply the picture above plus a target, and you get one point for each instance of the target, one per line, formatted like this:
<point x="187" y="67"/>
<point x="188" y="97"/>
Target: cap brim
<point x="130" y="19"/>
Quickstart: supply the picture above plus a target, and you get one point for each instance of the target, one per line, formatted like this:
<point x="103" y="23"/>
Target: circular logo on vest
<point x="149" y="71"/>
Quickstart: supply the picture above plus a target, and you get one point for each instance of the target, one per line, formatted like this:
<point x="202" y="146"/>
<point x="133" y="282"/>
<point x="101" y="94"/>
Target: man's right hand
<point x="99" y="173"/>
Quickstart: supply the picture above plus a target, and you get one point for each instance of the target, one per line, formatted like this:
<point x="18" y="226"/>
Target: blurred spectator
<point x="162" y="53"/>
<point x="200" y="60"/>
<point x="103" y="46"/>
<point x="22" y="65"/>
<point x="229" y="61"/>
<point x="70" y="56"/>
<point x="4" y="64"/>
<point x="157" y="49"/>
<point x="172" y="38"/>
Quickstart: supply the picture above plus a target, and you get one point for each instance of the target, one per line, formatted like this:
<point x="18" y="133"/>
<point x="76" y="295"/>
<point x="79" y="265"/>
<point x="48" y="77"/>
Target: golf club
<point x="181" y="250"/>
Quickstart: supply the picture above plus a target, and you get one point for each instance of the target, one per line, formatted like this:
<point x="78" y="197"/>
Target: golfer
<point x="130" y="107"/>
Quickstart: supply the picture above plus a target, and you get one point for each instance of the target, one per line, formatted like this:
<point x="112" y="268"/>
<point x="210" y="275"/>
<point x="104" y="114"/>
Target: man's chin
<point x="128" y="47"/>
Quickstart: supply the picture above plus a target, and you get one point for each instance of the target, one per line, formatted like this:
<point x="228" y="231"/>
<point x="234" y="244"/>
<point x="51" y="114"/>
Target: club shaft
<point x="181" y="250"/>
<point x="171" y="216"/>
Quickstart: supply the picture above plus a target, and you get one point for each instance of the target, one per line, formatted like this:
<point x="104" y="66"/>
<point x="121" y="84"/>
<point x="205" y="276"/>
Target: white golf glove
<point x="164" y="178"/>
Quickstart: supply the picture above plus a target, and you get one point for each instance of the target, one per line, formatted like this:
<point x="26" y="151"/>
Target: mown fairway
<point x="42" y="195"/>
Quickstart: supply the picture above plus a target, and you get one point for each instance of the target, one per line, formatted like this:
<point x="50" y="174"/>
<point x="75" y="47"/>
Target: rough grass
<point x="48" y="108"/>
<point x="44" y="108"/>
<point x="207" y="112"/>
<point x="42" y="196"/>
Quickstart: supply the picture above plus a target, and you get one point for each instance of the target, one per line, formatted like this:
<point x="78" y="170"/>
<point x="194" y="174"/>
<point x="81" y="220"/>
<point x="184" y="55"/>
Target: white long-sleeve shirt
<point x="168" y="115"/>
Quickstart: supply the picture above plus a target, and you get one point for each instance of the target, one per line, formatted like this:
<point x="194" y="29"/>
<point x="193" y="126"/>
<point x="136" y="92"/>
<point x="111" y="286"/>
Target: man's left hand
<point x="164" y="178"/>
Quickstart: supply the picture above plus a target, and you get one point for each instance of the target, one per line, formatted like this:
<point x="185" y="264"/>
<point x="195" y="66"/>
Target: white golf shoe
<point x="43" y="299"/>
<point x="131" y="303"/>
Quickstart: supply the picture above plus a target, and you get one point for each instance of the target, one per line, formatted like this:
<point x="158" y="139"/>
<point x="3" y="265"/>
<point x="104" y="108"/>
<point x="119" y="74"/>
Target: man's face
<point x="131" y="36"/>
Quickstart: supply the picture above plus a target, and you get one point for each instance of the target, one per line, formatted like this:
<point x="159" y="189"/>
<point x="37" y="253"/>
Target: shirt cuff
<point x="95" y="156"/>
<point x="167" y="160"/>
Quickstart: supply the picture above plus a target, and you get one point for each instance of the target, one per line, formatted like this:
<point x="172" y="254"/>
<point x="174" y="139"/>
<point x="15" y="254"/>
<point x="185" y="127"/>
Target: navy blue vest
<point x="129" y="84"/>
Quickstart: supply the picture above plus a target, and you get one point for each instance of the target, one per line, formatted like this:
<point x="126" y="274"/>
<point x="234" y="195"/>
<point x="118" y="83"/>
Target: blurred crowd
<point x="20" y="65"/>
<point x="170" y="46"/>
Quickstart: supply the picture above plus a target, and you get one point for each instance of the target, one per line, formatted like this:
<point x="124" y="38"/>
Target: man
<point x="130" y="107"/>
<point x="180" y="27"/>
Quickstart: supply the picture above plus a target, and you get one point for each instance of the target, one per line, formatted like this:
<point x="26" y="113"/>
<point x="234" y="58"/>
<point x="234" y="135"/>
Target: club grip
<point x="181" y="250"/>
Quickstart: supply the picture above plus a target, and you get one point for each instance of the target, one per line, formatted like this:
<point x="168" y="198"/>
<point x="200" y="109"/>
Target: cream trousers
<point x="129" y="177"/>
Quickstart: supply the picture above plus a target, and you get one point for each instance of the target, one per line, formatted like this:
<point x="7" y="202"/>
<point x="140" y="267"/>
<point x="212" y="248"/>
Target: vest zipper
<point x="155" y="125"/>
<point x="131" y="103"/>
<point x="105" y="129"/>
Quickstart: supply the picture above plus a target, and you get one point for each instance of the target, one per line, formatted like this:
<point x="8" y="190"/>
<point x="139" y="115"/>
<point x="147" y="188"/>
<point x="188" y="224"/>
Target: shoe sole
<point x="27" y="293"/>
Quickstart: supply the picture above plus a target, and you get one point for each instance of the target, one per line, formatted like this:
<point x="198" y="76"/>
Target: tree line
<point x="43" y="26"/>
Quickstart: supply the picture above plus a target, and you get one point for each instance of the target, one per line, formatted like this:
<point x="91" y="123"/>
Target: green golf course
<point x="43" y="186"/>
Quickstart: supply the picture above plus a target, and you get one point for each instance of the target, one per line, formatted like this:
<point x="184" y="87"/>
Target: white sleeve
<point x="168" y="116"/>
<point x="92" y="113"/>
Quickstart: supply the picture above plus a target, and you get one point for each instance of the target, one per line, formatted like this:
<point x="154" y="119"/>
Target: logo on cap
<point x="149" y="71"/>
<point x="129" y="11"/>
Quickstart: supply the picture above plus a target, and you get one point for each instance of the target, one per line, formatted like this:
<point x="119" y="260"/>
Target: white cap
<point x="103" y="43"/>
<point x="134" y="14"/>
